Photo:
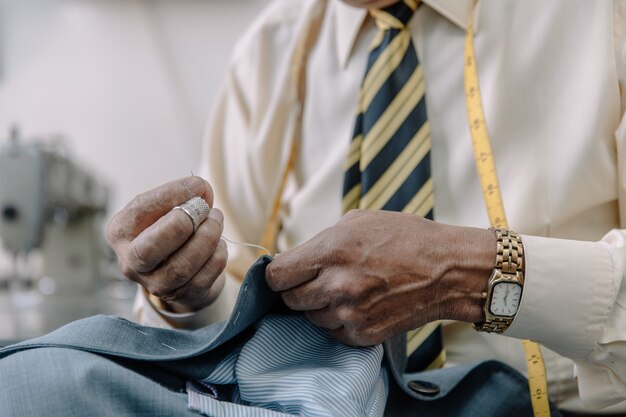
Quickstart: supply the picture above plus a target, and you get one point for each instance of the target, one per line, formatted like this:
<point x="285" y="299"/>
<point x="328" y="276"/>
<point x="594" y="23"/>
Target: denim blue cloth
<point x="264" y="361"/>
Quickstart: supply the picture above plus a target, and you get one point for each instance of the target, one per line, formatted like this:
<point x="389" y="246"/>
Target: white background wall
<point x="129" y="82"/>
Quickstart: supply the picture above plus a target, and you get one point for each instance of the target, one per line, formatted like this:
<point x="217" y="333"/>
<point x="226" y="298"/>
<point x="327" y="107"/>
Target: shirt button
<point x="424" y="388"/>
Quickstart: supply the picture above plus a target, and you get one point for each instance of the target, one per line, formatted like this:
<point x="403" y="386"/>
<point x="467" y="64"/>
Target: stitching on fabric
<point x="614" y="296"/>
<point x="606" y="312"/>
<point x="146" y="334"/>
<point x="168" y="346"/>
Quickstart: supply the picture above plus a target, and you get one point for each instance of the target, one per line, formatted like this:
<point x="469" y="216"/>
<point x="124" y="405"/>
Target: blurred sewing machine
<point x="58" y="266"/>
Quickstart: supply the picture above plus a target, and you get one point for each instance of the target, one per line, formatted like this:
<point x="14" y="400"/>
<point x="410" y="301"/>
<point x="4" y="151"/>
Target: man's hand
<point x="157" y="248"/>
<point x="379" y="273"/>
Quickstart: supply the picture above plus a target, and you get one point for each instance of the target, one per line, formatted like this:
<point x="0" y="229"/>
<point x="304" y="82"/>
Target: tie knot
<point x="395" y="16"/>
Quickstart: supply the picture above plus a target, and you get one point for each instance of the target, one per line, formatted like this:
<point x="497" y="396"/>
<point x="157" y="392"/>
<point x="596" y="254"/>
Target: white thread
<point x="168" y="346"/>
<point x="143" y="333"/>
<point x="250" y="245"/>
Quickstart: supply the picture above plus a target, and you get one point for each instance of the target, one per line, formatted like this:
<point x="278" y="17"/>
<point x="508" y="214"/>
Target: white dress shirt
<point x="551" y="75"/>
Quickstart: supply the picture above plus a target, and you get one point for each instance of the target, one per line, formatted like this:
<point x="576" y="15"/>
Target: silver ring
<point x="196" y="209"/>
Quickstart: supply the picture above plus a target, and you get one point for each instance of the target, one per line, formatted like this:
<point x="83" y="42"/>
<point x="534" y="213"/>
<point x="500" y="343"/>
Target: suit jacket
<point x="263" y="361"/>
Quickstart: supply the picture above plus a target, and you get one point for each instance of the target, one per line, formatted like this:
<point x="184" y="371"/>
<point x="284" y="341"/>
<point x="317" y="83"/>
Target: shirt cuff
<point x="569" y="291"/>
<point x="148" y="314"/>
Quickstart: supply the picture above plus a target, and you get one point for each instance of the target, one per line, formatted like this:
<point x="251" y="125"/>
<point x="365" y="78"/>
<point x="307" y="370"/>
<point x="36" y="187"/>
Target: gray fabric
<point x="110" y="366"/>
<point x="68" y="382"/>
<point x="280" y="365"/>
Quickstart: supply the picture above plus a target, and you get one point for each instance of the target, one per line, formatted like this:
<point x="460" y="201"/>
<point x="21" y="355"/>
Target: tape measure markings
<point x="483" y="156"/>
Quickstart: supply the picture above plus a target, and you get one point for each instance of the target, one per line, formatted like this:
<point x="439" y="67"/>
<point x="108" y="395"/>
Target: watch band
<point x="509" y="264"/>
<point x="510" y="251"/>
<point x="494" y="325"/>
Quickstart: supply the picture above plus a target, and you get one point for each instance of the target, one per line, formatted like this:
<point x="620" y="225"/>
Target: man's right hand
<point x="157" y="247"/>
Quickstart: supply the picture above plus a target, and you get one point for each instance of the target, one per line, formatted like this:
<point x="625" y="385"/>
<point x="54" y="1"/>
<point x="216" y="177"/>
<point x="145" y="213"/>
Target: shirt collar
<point x="349" y="19"/>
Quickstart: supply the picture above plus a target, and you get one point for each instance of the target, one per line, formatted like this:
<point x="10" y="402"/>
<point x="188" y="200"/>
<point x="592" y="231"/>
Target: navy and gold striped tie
<point x="388" y="165"/>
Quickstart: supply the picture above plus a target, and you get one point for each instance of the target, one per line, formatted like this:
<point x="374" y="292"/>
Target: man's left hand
<point x="379" y="273"/>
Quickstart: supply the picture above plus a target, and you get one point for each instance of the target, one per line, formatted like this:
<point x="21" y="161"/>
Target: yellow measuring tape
<point x="486" y="167"/>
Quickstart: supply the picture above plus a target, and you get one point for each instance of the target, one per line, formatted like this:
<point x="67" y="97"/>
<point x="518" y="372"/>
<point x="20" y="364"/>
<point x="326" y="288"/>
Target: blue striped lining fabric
<point x="291" y="368"/>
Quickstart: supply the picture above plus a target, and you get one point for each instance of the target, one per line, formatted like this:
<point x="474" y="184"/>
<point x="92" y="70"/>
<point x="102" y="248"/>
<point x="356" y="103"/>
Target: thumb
<point x="296" y="266"/>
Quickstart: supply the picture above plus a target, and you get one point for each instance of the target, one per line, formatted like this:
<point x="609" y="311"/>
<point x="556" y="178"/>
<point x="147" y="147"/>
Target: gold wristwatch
<point x="504" y="288"/>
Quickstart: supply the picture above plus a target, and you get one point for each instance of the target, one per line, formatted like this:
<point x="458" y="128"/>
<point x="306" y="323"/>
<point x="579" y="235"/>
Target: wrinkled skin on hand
<point x="157" y="248"/>
<point x="377" y="273"/>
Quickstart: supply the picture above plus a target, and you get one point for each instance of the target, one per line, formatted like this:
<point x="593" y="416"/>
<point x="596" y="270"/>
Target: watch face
<point x="505" y="299"/>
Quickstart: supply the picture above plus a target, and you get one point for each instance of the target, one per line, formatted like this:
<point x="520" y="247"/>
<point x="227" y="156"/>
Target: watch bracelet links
<point x="510" y="260"/>
<point x="510" y="251"/>
<point x="497" y="325"/>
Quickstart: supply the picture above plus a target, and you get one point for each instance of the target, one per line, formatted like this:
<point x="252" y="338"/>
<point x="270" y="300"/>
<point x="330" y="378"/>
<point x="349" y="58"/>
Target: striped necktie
<point x="388" y="165"/>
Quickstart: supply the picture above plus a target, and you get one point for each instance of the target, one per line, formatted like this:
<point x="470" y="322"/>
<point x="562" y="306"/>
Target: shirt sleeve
<point x="574" y="299"/>
<point x="573" y="304"/>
